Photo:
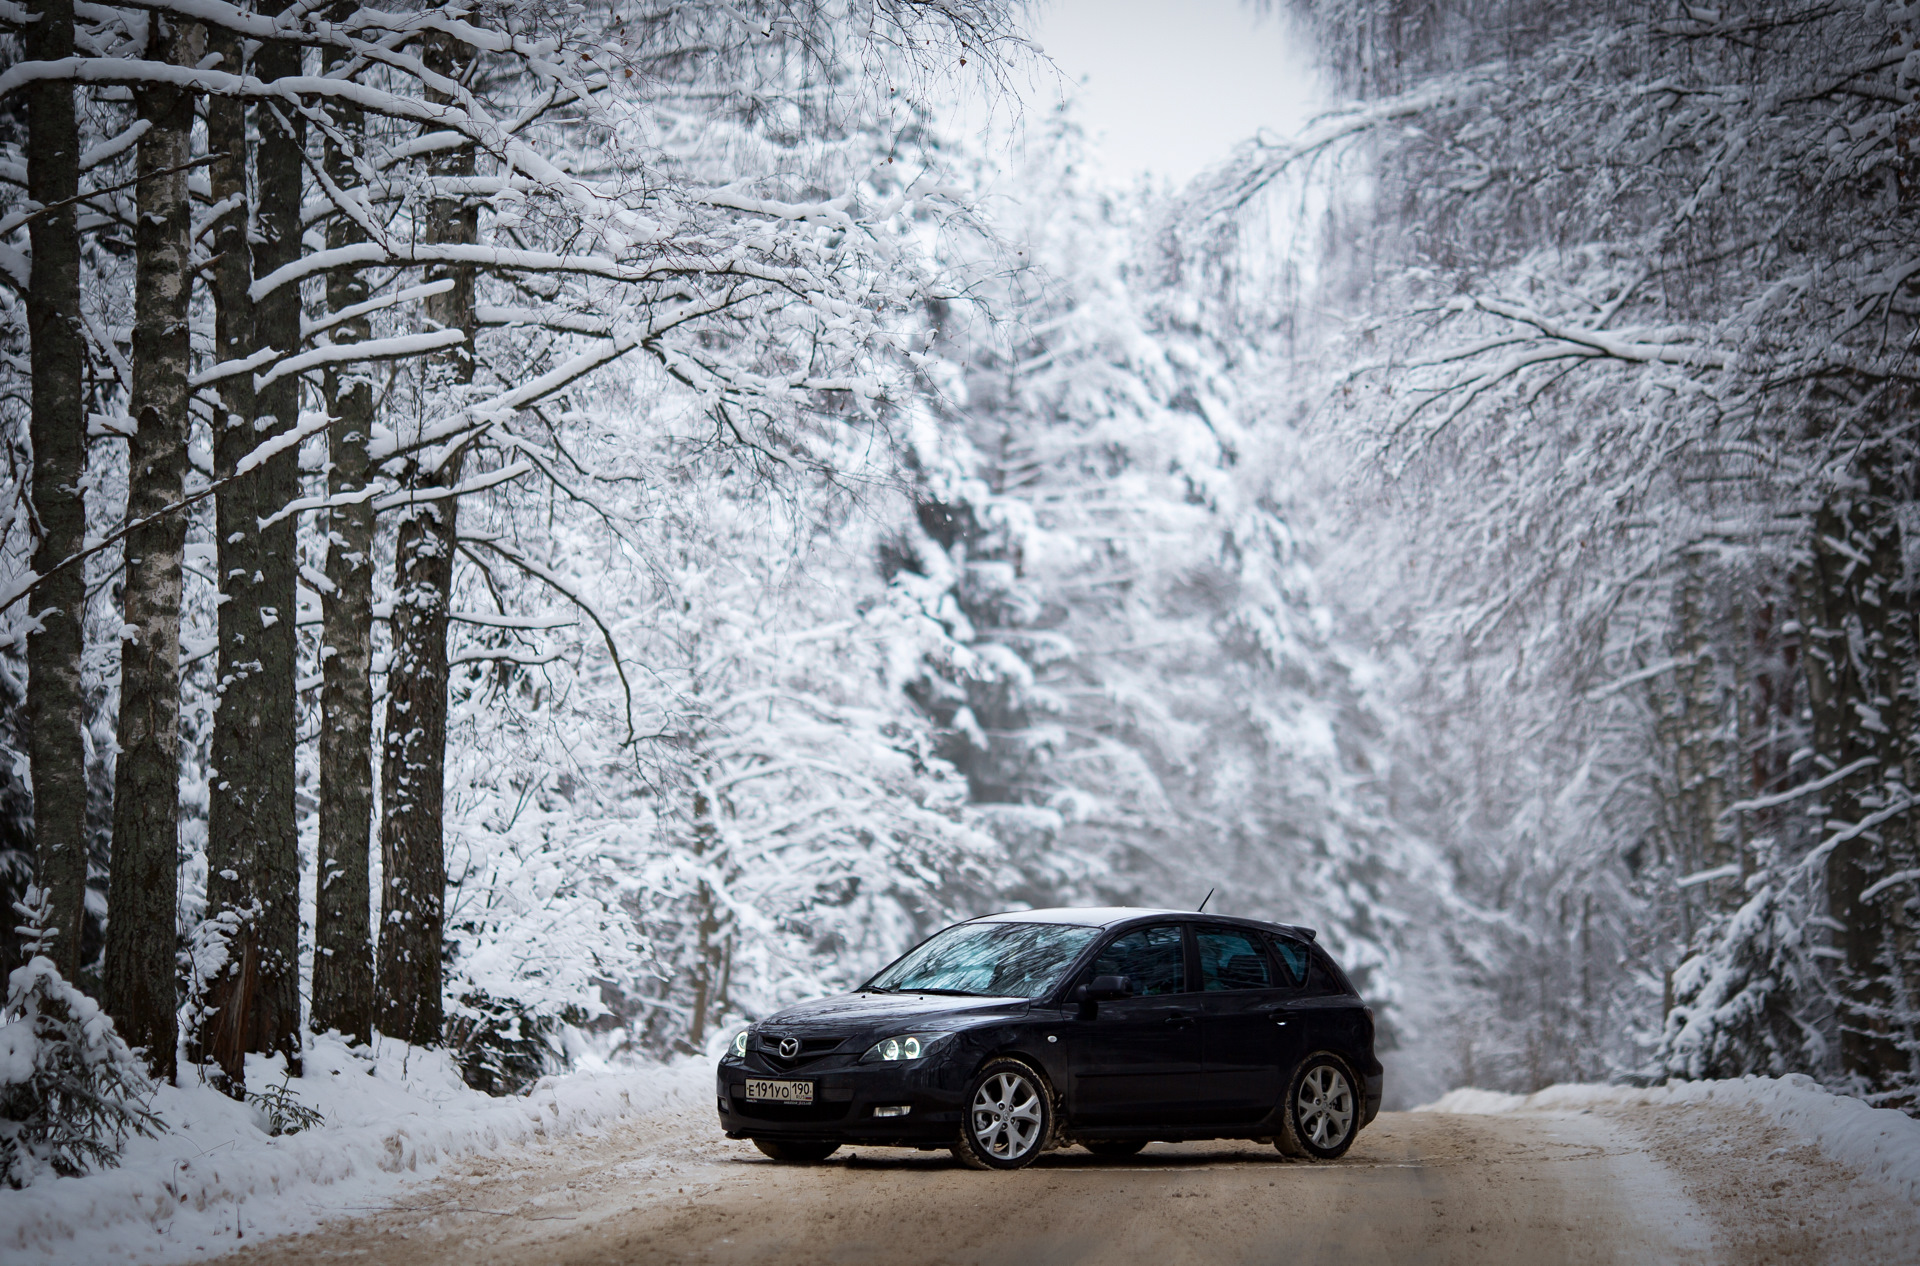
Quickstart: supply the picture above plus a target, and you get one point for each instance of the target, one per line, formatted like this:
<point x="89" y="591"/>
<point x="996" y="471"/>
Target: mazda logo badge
<point x="789" y="1047"/>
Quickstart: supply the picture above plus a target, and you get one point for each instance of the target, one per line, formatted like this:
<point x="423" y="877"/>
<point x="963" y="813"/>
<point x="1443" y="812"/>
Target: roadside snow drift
<point x="1877" y="1143"/>
<point x="216" y="1181"/>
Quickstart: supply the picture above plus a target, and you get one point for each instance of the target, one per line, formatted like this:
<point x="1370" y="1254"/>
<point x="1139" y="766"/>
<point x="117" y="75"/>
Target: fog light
<point x="893" y="1110"/>
<point x="723" y="1103"/>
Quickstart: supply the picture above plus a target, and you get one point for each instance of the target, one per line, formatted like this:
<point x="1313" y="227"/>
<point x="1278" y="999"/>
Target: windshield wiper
<point x="875" y="989"/>
<point x="952" y="993"/>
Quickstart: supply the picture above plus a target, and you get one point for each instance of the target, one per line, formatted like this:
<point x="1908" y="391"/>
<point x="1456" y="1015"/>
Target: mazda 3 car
<point x="1006" y="1036"/>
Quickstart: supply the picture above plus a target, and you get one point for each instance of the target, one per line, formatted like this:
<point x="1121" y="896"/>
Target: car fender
<point x="1022" y="1040"/>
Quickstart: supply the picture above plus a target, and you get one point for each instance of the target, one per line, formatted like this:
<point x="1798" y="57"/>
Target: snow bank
<point x="1877" y="1143"/>
<point x="217" y="1182"/>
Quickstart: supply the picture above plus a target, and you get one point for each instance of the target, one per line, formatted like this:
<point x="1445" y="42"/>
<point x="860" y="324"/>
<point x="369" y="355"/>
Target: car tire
<point x="1321" y="1113"/>
<point x="1113" y="1147"/>
<point x="1008" y="1116"/>
<point x="796" y="1151"/>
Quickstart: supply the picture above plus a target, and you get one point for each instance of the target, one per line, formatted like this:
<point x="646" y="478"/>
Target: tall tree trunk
<point x="343" y="936"/>
<point x="252" y="999"/>
<point x="279" y="171"/>
<point x="224" y="1010"/>
<point x="1859" y="642"/>
<point x="413" y="766"/>
<point x="715" y="928"/>
<point x="1701" y="755"/>
<point x="146" y="796"/>
<point x="56" y="706"/>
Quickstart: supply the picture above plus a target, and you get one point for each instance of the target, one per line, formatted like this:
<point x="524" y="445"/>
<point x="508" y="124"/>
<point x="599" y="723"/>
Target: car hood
<point x="859" y="1012"/>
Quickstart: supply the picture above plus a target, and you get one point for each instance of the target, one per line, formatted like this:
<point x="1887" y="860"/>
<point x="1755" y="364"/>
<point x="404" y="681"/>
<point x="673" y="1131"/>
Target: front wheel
<point x="796" y="1152"/>
<point x="1321" y="1114"/>
<point x="1009" y="1117"/>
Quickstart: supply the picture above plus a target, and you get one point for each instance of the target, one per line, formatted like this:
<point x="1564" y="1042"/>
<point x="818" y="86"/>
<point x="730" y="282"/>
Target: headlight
<point x="891" y="1050"/>
<point x="740" y="1044"/>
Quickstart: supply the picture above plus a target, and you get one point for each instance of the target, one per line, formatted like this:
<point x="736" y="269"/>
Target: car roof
<point x="1107" y="916"/>
<point x="1089" y="916"/>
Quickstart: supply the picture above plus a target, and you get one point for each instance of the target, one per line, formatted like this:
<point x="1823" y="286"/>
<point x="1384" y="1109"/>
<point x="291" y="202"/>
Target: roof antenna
<point x="1203" y="902"/>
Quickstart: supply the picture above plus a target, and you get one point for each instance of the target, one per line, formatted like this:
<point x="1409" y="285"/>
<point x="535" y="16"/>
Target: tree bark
<point x="343" y="997"/>
<point x="225" y="1009"/>
<point x="252" y="1000"/>
<point x="279" y="172"/>
<point x="139" y="976"/>
<point x="56" y="704"/>
<point x="413" y="767"/>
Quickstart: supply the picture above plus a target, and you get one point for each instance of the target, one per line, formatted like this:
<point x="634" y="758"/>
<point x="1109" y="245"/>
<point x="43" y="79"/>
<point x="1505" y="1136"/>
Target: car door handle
<point x="1180" y="1021"/>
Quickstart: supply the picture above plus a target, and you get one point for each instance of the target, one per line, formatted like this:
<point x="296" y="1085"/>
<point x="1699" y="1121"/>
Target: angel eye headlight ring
<point x="739" y="1045"/>
<point x="893" y="1050"/>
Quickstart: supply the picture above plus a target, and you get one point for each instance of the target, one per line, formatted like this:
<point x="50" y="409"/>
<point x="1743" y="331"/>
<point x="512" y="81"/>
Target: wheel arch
<point x="1054" y="1137"/>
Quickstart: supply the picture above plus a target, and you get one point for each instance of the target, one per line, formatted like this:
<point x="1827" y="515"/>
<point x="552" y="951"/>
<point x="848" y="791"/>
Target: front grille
<point x="811" y="1048"/>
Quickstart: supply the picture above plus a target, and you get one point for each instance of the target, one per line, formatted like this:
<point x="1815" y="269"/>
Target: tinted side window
<point x="1293" y="958"/>
<point x="1231" y="960"/>
<point x="1326" y="978"/>
<point x="1154" y="957"/>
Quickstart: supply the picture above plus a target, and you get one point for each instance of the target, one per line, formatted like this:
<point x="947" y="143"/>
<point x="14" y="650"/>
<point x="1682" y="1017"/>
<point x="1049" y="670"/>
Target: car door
<point x="1136" y="1060"/>
<point x="1250" y="1035"/>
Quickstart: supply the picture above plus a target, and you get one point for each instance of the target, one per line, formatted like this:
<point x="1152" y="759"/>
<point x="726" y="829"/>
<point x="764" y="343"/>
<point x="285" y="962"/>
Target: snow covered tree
<point x="1635" y="349"/>
<point x="1120" y="631"/>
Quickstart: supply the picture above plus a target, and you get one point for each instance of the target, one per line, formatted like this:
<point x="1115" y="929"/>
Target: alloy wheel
<point x="1325" y="1107"/>
<point x="1006" y="1116"/>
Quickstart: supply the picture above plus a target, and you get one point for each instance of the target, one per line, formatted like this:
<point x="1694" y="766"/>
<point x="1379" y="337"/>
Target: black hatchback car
<point x="1005" y="1036"/>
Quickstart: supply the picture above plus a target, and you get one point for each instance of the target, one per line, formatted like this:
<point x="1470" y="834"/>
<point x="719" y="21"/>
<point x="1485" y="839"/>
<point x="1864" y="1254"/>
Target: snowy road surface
<point x="1696" y="1183"/>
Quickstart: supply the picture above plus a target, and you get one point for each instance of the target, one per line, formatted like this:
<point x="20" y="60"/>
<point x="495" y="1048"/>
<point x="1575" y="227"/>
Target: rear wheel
<point x="1113" y="1147"/>
<point x="1009" y="1117"/>
<point x="1322" y="1113"/>
<point x="796" y="1152"/>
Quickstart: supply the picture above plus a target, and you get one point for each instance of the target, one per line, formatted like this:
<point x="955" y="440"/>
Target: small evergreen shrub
<point x="70" y="1090"/>
<point x="284" y="1112"/>
<point x="1738" y="999"/>
<point x="501" y="1044"/>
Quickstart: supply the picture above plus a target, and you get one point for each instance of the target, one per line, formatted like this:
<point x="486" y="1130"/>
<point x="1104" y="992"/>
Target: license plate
<point x="780" y="1091"/>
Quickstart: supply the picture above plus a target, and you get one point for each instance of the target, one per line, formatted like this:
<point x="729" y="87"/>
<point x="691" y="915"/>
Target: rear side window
<point x="1231" y="960"/>
<point x="1327" y="978"/>
<point x="1154" y="957"/>
<point x="1293" y="958"/>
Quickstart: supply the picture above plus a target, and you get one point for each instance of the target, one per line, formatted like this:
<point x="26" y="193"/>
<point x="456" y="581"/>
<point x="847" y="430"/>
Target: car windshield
<point x="993" y="960"/>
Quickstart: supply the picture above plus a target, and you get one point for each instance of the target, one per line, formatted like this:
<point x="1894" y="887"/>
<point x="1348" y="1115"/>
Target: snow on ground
<point x="1876" y="1143"/>
<point x="1786" y="1171"/>
<point x="393" y="1117"/>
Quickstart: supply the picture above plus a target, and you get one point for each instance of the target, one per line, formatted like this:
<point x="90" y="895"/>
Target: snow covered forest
<point x="547" y="528"/>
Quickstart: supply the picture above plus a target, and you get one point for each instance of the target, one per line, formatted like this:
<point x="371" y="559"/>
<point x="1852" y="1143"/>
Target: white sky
<point x="1170" y="86"/>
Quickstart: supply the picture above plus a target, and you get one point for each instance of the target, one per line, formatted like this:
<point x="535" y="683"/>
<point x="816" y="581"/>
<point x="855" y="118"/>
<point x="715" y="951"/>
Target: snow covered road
<point x="1620" y="1181"/>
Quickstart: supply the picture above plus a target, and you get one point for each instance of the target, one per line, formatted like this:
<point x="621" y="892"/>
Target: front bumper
<point x="844" y="1098"/>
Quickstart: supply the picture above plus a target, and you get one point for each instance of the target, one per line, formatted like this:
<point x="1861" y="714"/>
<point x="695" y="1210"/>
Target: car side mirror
<point x="1108" y="988"/>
